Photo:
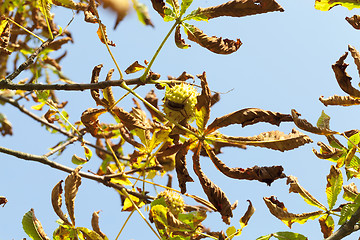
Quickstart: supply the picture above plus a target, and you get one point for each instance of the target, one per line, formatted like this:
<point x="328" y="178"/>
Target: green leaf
<point x="193" y="219"/>
<point x="197" y="16"/>
<point x="159" y="201"/>
<point x="185" y="4"/>
<point x="158" y="213"/>
<point x="38" y="107"/>
<point x="169" y="15"/>
<point x="43" y="95"/>
<point x="354" y="139"/>
<point x="3" y="24"/>
<point x="88" y="152"/>
<point x="90" y="234"/>
<point x="65" y="232"/>
<point x="32" y="226"/>
<point x="350" y="192"/>
<point x="323" y="121"/>
<point x="334" y="185"/>
<point x="289" y="236"/>
<point x="267" y="237"/>
<point x="142" y="13"/>
<point x="121" y="180"/>
<point x="347" y="211"/>
<point x="158" y="137"/>
<point x="78" y="160"/>
<point x="326" y="5"/>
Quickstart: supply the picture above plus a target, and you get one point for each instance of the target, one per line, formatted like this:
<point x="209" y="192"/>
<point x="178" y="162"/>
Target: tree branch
<point x="347" y="228"/>
<point x="67" y="87"/>
<point x="44" y="160"/>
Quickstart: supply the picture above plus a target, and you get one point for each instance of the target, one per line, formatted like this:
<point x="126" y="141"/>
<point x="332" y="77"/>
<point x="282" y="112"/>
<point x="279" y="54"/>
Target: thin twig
<point x="44" y="160"/>
<point x="109" y="176"/>
<point x="28" y="62"/>
<point x="61" y="146"/>
<point x="67" y="87"/>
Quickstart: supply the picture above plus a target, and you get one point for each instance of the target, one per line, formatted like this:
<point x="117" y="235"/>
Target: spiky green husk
<point x="173" y="200"/>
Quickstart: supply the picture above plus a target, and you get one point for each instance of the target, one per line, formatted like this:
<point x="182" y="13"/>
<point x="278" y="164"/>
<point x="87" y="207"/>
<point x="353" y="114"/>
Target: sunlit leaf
<point x="135" y="67"/>
<point x="347" y="211"/>
<point x="249" y="212"/>
<point x="128" y="119"/>
<point x="241" y="8"/>
<point x="128" y="206"/>
<point x="122" y="180"/>
<point x="101" y="32"/>
<point x="142" y="13"/>
<point x="185" y="5"/>
<point x="278" y="209"/>
<point x="88" y="152"/>
<point x="70" y="4"/>
<point x="340" y="100"/>
<point x="327" y="225"/>
<point x="33" y="227"/>
<point x="326" y="5"/>
<point x="295" y="187"/>
<point x="323" y="121"/>
<point x="203" y="104"/>
<point x="72" y="183"/>
<point x="350" y="192"/>
<point x="248" y="116"/>
<point x="214" y="44"/>
<point x="327" y="152"/>
<point x="78" y="160"/>
<point x="353" y="140"/>
<point x="89" y="234"/>
<point x="284" y="236"/>
<point x="333" y="186"/>
<point x="159" y="6"/>
<point x="356" y="56"/>
<point x="231" y="232"/>
<point x="180" y="43"/>
<point x="95" y="225"/>
<point x="90" y="119"/>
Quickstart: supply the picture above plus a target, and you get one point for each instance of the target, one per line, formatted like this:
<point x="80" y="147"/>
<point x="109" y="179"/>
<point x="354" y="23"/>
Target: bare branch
<point x="44" y="160"/>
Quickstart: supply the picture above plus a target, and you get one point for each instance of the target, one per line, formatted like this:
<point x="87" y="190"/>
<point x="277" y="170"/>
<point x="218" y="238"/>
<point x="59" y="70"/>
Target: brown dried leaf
<point x="90" y="120"/>
<point x="121" y="7"/>
<point x="5" y="126"/>
<point x="134" y="67"/>
<point x="248" y="116"/>
<point x="215" y="195"/>
<point x="275" y="140"/>
<point x="343" y="79"/>
<point x="3" y="201"/>
<point x="95" y="93"/>
<point x="153" y="100"/>
<point x="56" y="201"/>
<point x="240" y="8"/>
<point x="180" y="43"/>
<point x="327" y="151"/>
<point x="129" y="121"/>
<point x="249" y="212"/>
<point x="72" y="183"/>
<point x="159" y="6"/>
<point x="295" y="187"/>
<point x="172" y="221"/>
<point x="183" y="77"/>
<point x="261" y="174"/>
<point x="107" y="92"/>
<point x="306" y="126"/>
<point x="57" y="44"/>
<point x="203" y="103"/>
<point x="354" y="21"/>
<point x="70" y="4"/>
<point x="104" y="38"/>
<point x="356" y="56"/>
<point x="214" y="44"/>
<point x="180" y="166"/>
<point x="95" y="224"/>
<point x="49" y="116"/>
<point x="53" y="63"/>
<point x="340" y="100"/>
<point x="278" y="209"/>
<point x="350" y="190"/>
<point x="326" y="225"/>
<point x="214" y="98"/>
<point x="128" y="137"/>
<point x="38" y="226"/>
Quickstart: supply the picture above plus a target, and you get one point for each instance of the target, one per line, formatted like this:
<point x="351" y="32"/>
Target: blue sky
<point x="284" y="63"/>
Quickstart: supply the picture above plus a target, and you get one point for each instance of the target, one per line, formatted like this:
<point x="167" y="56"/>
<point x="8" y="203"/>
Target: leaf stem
<point x="123" y="226"/>
<point x="33" y="34"/>
<point x="143" y="77"/>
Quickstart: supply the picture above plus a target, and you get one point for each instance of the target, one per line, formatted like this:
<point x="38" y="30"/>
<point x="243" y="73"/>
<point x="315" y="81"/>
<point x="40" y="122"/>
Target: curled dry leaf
<point x="326" y="225"/>
<point x="279" y="210"/>
<point x="5" y="126"/>
<point x="107" y="92"/>
<point x="101" y="32"/>
<point x="183" y="77"/>
<point x="248" y="116"/>
<point x="128" y="137"/>
<point x="215" y="195"/>
<point x="57" y="44"/>
<point x="95" y="93"/>
<point x="343" y="79"/>
<point x="72" y="183"/>
<point x="354" y="21"/>
<point x="261" y="174"/>
<point x="306" y="126"/>
<point x="240" y="8"/>
<point x="350" y="192"/>
<point x="356" y="56"/>
<point x="56" y="201"/>
<point x="70" y="4"/>
<point x="203" y="103"/>
<point x="180" y="166"/>
<point x="326" y="151"/>
<point x="53" y="63"/>
<point x="159" y="6"/>
<point x="275" y="140"/>
<point x="90" y="119"/>
<point x="134" y="67"/>
<point x="95" y="224"/>
<point x="129" y="121"/>
<point x="249" y="212"/>
<point x="3" y="201"/>
<point x="153" y="100"/>
<point x="180" y="43"/>
<point x="295" y="187"/>
<point x="49" y="116"/>
<point x="340" y="100"/>
<point x="214" y="44"/>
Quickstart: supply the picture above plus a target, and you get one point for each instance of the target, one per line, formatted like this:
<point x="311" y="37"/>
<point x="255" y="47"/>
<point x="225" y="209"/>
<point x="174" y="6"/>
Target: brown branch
<point x="67" y="87"/>
<point x="28" y="62"/>
<point x="347" y="228"/>
<point x="61" y="146"/>
<point x="44" y="160"/>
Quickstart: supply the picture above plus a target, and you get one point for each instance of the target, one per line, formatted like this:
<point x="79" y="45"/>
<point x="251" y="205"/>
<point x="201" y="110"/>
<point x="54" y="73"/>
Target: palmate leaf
<point x="278" y="209"/>
<point x="333" y="186"/>
<point x="295" y="187"/>
<point x="326" y="5"/>
<point x="214" y="44"/>
<point x="262" y="174"/>
<point x="248" y="116"/>
<point x="348" y="210"/>
<point x="185" y="4"/>
<point x="240" y="8"/>
<point x="275" y="140"/>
